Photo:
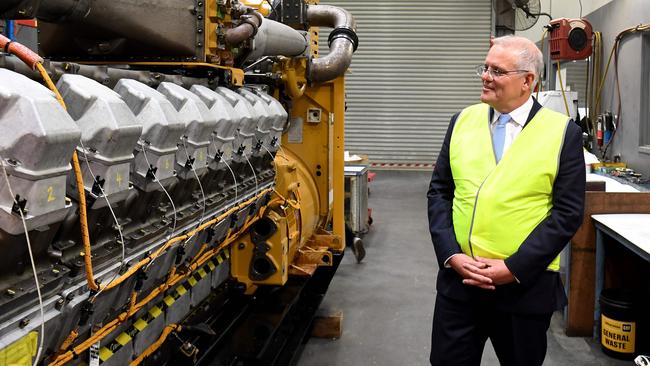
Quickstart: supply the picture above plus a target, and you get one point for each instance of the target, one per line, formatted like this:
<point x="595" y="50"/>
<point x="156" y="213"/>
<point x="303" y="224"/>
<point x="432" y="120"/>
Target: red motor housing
<point x="570" y="39"/>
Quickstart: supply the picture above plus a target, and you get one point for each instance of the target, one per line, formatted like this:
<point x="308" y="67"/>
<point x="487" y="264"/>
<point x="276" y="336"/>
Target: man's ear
<point x="529" y="80"/>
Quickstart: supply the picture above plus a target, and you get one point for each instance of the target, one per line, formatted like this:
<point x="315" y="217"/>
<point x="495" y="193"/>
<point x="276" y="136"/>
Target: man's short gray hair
<point x="529" y="56"/>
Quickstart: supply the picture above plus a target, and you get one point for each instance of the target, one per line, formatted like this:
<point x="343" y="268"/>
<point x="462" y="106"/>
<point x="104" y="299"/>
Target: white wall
<point x="610" y="17"/>
<point x="560" y="9"/>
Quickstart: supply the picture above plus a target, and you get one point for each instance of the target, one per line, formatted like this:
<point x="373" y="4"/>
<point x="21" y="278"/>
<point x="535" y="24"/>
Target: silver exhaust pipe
<point x="275" y="38"/>
<point x="343" y="41"/>
<point x="248" y="28"/>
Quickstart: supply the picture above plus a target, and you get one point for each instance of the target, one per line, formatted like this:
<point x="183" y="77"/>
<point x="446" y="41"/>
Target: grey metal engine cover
<point x="38" y="139"/>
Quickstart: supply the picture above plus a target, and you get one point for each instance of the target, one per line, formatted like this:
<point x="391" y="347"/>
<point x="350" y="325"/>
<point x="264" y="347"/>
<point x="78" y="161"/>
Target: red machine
<point x="570" y="39"/>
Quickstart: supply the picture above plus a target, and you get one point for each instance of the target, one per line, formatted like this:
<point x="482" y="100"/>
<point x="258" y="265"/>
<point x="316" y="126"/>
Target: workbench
<point x="630" y="231"/>
<point x="581" y="280"/>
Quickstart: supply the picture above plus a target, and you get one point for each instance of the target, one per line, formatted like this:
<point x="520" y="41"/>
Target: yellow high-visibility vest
<point x="496" y="206"/>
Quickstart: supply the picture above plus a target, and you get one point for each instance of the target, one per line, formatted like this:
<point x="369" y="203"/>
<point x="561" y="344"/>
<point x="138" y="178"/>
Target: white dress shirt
<point x="518" y="119"/>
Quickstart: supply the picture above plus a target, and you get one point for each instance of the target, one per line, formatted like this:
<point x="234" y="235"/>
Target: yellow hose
<point x="133" y="300"/>
<point x="172" y="241"/>
<point x="602" y="80"/>
<point x="69" y="340"/>
<point x="154" y="346"/>
<point x="173" y="280"/>
<point x="619" y="37"/>
<point x="83" y="218"/>
<point x="559" y="75"/>
<point x="595" y="77"/>
<point x="50" y="84"/>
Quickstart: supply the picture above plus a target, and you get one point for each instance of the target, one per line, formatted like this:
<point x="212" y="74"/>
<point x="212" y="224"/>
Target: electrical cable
<point x="580" y="2"/>
<point x="268" y="151"/>
<point x="559" y="75"/>
<point x="200" y="187"/>
<point x="31" y="259"/>
<point x="614" y="52"/>
<point x="617" y="40"/>
<point x="171" y="328"/>
<point x="256" y="63"/>
<point x="595" y="75"/>
<point x="117" y="223"/>
<point x="602" y="80"/>
<point x="233" y="177"/>
<point x="83" y="216"/>
<point x="619" y="111"/>
<point x="114" y="324"/>
<point x="199" y="182"/>
<point x="149" y="259"/>
<point x="228" y="166"/>
<point x="252" y="170"/>
<point x="171" y="201"/>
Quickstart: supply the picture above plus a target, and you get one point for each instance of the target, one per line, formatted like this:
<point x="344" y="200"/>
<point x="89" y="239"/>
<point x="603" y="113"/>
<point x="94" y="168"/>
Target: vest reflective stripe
<point x="496" y="207"/>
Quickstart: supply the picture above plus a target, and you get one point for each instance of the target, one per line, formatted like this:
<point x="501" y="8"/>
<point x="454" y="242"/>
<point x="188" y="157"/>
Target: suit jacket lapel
<point x="533" y="111"/>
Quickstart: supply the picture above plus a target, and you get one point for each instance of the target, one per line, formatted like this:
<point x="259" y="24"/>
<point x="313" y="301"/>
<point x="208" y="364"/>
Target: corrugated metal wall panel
<point x="576" y="79"/>
<point x="413" y="70"/>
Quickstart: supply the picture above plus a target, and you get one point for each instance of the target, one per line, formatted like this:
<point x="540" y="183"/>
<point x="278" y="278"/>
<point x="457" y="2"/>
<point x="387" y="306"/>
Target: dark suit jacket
<point x="538" y="290"/>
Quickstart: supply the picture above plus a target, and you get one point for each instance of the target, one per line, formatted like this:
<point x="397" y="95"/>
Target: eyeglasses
<point x="495" y="73"/>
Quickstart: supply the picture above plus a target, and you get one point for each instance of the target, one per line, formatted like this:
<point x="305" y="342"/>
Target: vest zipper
<point x="471" y="225"/>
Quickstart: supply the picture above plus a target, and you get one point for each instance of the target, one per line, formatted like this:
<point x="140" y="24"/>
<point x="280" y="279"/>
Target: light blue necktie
<point x="499" y="135"/>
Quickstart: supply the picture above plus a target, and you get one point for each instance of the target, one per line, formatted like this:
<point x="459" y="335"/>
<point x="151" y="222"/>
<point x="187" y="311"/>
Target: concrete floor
<point x="388" y="299"/>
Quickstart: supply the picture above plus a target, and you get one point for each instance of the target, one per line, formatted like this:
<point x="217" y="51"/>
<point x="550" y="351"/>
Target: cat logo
<point x="627" y="327"/>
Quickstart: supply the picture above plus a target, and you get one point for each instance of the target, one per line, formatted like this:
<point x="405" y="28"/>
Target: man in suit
<point x="506" y="196"/>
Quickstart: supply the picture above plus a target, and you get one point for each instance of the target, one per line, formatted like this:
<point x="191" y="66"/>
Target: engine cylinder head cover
<point x="162" y="128"/>
<point x="247" y="123"/>
<point x="199" y="124"/>
<point x="109" y="133"/>
<point x="38" y="140"/>
<point x="227" y="122"/>
<point x="263" y="115"/>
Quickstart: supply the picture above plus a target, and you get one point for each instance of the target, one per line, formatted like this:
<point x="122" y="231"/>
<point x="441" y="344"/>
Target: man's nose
<point x="486" y="76"/>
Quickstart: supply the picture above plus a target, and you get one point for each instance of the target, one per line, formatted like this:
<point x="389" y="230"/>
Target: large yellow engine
<point x="163" y="162"/>
<point x="292" y="238"/>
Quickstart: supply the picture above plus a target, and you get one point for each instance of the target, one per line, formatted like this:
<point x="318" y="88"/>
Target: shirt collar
<point x="520" y="114"/>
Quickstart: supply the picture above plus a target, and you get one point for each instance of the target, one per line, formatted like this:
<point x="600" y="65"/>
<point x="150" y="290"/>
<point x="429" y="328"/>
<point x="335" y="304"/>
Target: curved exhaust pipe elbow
<point x="343" y="41"/>
<point x="330" y="16"/>
<point x="247" y="29"/>
<point x="333" y="65"/>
